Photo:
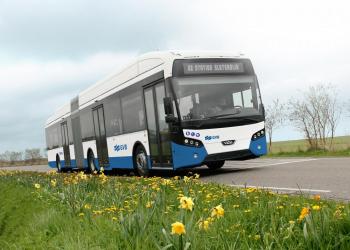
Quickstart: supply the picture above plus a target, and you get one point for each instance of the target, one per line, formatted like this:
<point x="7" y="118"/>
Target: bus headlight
<point x="192" y="142"/>
<point x="258" y="134"/>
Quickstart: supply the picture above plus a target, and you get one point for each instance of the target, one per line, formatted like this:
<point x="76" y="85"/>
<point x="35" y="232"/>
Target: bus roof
<point x="144" y="65"/>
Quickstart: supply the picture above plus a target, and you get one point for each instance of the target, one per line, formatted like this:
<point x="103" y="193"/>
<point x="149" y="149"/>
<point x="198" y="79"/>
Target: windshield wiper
<point x="225" y="115"/>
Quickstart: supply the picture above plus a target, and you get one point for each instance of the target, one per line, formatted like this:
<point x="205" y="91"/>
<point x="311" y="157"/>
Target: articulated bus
<point x="166" y="110"/>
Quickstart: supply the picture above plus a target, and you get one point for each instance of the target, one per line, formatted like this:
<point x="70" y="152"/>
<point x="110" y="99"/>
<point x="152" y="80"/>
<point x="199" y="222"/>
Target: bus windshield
<point x="202" y="98"/>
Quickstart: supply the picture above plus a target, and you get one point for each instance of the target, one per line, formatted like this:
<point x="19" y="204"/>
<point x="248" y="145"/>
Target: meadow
<point x="341" y="147"/>
<point x="81" y="211"/>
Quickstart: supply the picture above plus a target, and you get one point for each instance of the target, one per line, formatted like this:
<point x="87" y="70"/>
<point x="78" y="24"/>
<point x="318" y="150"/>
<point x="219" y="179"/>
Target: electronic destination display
<point x="213" y="68"/>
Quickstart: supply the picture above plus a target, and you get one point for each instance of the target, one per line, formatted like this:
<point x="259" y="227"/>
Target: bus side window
<point x="133" y="116"/>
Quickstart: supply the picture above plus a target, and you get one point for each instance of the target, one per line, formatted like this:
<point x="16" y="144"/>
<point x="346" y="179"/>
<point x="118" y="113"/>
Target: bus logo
<point x="211" y="137"/>
<point x="120" y="147"/>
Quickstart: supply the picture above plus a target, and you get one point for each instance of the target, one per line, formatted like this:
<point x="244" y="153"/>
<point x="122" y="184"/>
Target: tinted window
<point x="87" y="127"/>
<point x="133" y="113"/>
<point x="112" y="110"/>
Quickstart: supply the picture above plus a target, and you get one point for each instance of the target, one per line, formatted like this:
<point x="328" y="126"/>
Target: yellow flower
<point x="187" y="179"/>
<point x="291" y="222"/>
<point x="236" y="206"/>
<point x="218" y="211"/>
<point x="317" y="197"/>
<point x="102" y="169"/>
<point x="176" y="177"/>
<point x="53" y="182"/>
<point x="196" y="176"/>
<point x="114" y="218"/>
<point x="304" y="212"/>
<point x="81" y="214"/>
<point x="257" y="237"/>
<point x="37" y="185"/>
<point x="178" y="228"/>
<point x="204" y="225"/>
<point x="186" y="203"/>
<point x="149" y="204"/>
<point x="247" y="210"/>
<point x="316" y="207"/>
<point x="87" y="206"/>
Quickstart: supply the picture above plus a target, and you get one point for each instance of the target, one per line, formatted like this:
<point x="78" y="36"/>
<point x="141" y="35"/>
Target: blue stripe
<point x="52" y="164"/>
<point x="125" y="162"/>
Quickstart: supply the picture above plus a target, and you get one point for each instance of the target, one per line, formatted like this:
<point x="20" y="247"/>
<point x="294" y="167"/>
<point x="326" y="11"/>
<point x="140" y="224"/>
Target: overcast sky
<point x="51" y="50"/>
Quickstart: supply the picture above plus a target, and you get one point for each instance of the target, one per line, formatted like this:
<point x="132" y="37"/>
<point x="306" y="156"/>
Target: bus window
<point x="133" y="116"/>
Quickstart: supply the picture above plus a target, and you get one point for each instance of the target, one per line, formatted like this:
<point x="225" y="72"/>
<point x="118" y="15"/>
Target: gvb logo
<point x="120" y="147"/>
<point x="211" y="137"/>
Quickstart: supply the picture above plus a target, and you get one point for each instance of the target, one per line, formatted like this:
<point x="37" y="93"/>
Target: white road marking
<point x="285" y="189"/>
<point x="272" y="164"/>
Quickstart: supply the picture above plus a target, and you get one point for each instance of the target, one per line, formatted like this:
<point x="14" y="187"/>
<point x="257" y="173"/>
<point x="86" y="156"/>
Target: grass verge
<point x="78" y="211"/>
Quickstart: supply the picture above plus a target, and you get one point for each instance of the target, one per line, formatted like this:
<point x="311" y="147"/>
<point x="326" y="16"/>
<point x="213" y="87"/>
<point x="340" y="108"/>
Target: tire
<point x="215" y="164"/>
<point x="91" y="162"/>
<point x="140" y="161"/>
<point x="58" y="164"/>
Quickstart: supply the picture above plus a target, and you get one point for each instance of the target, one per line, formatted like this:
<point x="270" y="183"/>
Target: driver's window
<point x="247" y="98"/>
<point x="237" y="99"/>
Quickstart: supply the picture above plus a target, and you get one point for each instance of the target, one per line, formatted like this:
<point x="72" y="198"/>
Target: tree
<point x="32" y="154"/>
<point x="316" y="114"/>
<point x="274" y="118"/>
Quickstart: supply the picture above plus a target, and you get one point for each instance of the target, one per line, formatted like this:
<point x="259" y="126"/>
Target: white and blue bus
<point x="166" y="110"/>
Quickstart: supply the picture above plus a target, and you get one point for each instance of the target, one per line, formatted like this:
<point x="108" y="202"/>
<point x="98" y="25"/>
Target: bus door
<point x="158" y="129"/>
<point x="65" y="143"/>
<point x="100" y="135"/>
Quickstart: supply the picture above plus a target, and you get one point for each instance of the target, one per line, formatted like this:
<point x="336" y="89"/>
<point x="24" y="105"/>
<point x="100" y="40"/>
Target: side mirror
<point x="168" y="106"/>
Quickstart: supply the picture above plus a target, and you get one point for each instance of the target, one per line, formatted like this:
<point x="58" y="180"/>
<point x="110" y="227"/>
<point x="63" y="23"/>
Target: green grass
<point x="341" y="147"/>
<point x="76" y="211"/>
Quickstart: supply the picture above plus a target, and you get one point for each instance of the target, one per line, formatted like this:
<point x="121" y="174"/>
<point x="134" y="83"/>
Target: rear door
<point x="65" y="144"/>
<point x="100" y="135"/>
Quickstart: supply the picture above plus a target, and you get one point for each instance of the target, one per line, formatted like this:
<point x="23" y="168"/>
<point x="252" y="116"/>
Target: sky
<point x="52" y="50"/>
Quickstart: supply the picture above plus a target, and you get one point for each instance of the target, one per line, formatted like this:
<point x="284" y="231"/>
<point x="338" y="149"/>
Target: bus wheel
<point x="215" y="164"/>
<point x="58" y="164"/>
<point x="91" y="162"/>
<point x="140" y="161"/>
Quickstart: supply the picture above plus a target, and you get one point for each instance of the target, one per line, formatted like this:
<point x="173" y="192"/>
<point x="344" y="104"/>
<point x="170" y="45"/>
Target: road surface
<point x="329" y="177"/>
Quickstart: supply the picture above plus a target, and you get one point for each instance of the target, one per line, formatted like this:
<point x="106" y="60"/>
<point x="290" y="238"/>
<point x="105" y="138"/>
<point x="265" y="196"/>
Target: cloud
<point x="32" y="91"/>
<point x="50" y="51"/>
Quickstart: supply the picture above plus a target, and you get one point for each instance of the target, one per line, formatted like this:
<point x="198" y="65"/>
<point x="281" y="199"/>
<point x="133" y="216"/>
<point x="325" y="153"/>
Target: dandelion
<point x="81" y="214"/>
<point x="37" y="185"/>
<point x="114" y="218"/>
<point x="257" y="237"/>
<point x="291" y="222"/>
<point x="218" y="211"/>
<point x="304" y="212"/>
<point x="176" y="177"/>
<point x="178" y="228"/>
<point x="247" y="210"/>
<point x="186" y="203"/>
<point x="236" y="206"/>
<point x="316" y="207"/>
<point x="196" y="176"/>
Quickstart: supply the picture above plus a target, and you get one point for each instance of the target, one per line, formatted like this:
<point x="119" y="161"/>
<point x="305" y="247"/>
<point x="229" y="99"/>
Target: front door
<point x="158" y="129"/>
<point x="100" y="135"/>
<point x="65" y="143"/>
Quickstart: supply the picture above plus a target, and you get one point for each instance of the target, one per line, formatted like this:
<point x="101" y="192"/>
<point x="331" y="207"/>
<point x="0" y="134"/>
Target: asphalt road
<point x="329" y="177"/>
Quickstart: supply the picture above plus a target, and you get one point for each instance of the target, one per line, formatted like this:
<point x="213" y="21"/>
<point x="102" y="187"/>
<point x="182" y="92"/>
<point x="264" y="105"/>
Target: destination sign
<point x="213" y="68"/>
